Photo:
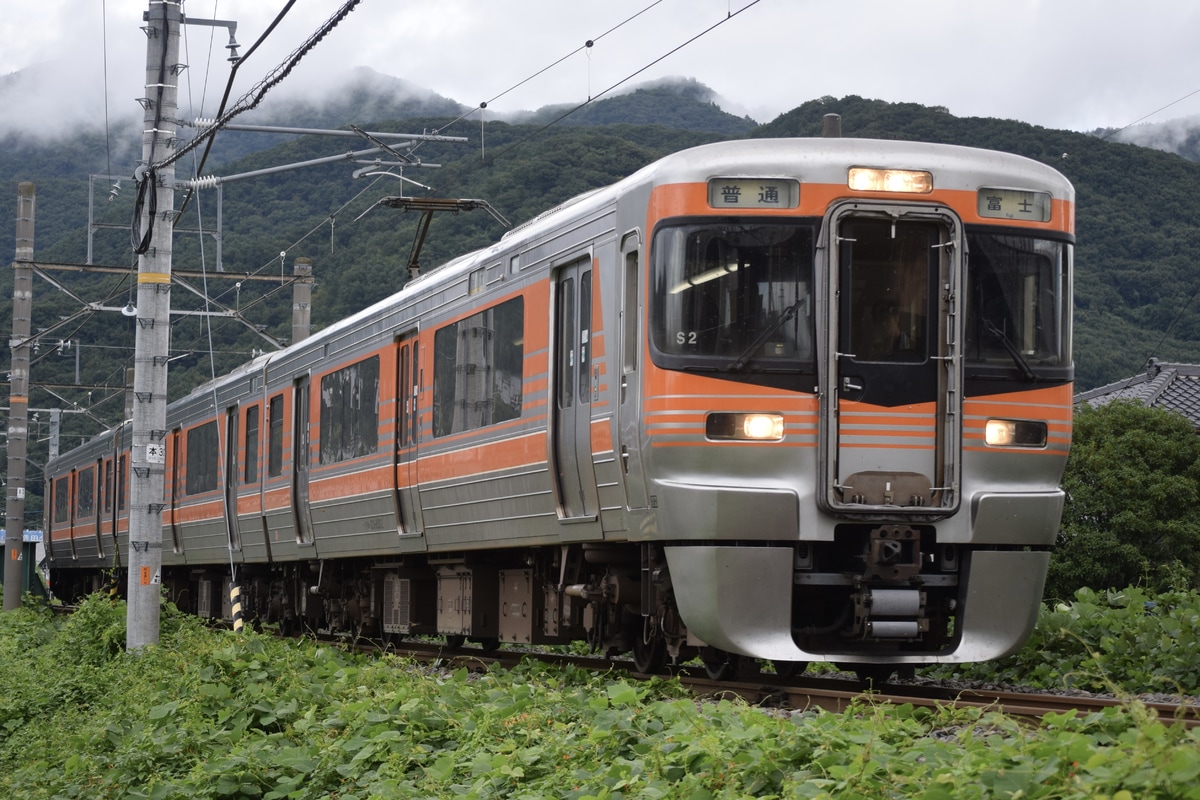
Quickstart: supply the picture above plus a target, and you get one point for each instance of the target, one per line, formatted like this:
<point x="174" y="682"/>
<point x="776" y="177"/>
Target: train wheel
<point x="649" y="658"/>
<point x="455" y="641"/>
<point x="789" y="669"/>
<point x="718" y="664"/>
<point x="488" y="644"/>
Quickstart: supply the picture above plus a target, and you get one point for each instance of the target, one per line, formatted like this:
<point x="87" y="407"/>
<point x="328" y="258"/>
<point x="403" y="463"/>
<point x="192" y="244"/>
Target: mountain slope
<point x="1134" y="278"/>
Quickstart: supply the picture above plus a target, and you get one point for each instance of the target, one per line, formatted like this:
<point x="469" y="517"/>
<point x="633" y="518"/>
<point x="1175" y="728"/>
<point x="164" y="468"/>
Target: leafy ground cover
<point x="212" y="714"/>
<point x="1124" y="642"/>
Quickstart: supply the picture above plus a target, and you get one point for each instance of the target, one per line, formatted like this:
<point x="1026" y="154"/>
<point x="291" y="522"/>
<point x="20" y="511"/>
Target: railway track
<point x="803" y="692"/>
<point x="830" y="694"/>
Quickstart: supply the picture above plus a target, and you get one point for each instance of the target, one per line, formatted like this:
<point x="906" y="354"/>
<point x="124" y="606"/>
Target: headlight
<point x="909" y="181"/>
<point x="1014" y="433"/>
<point x="745" y="427"/>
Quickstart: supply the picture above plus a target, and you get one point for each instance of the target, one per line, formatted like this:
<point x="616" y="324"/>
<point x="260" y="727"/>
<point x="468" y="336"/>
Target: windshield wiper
<point x="768" y="331"/>
<point x="1018" y="359"/>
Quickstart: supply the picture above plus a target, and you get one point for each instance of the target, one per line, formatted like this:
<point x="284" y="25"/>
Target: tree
<point x="1132" y="483"/>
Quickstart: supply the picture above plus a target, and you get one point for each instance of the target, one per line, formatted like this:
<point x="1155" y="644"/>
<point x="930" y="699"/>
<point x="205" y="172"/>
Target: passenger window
<point x="477" y="369"/>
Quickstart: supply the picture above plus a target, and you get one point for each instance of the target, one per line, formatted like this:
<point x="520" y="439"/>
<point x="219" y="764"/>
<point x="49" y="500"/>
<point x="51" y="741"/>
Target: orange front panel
<point x="1056" y="403"/>
<point x="1053" y="404"/>
<point x="691" y="199"/>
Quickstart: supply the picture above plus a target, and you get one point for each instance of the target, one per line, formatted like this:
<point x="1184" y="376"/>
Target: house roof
<point x="1175" y="387"/>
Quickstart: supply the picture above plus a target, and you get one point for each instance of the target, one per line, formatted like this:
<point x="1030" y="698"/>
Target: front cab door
<point x="891" y="420"/>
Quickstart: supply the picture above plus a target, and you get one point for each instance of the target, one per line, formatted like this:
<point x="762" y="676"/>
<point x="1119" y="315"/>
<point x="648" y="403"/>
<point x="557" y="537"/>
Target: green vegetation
<point x="1132" y="484"/>
<point x="1129" y="641"/>
<point x="212" y="714"/>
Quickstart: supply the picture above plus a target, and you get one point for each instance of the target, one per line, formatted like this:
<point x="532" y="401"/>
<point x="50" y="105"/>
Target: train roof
<point x="825" y="160"/>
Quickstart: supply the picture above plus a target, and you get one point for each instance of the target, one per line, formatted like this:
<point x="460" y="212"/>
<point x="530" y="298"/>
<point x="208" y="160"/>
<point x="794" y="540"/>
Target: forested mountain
<point x="1134" y="277"/>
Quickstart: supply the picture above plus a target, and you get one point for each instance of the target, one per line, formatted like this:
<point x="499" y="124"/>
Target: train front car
<point x="858" y="406"/>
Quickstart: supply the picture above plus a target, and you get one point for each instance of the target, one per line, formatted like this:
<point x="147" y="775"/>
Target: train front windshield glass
<point x="734" y="297"/>
<point x="1018" y="300"/>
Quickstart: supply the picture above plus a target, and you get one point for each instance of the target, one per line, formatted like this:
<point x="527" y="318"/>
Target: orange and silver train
<point x="794" y="400"/>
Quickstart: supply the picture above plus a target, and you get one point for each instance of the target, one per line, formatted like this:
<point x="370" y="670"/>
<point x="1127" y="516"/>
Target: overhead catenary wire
<point x="254" y="97"/>
<point x="1145" y="117"/>
<point x="320" y="226"/>
<point x="225" y="97"/>
<point x="585" y="46"/>
<point x="731" y="14"/>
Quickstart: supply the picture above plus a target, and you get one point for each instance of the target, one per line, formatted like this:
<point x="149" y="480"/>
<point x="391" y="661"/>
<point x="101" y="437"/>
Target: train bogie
<point x="782" y="399"/>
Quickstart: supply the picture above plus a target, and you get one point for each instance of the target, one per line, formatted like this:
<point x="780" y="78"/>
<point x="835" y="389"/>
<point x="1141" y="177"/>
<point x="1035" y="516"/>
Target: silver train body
<point x="795" y="400"/>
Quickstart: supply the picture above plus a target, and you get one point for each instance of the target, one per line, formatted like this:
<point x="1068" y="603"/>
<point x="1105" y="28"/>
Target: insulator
<point x="209" y="182"/>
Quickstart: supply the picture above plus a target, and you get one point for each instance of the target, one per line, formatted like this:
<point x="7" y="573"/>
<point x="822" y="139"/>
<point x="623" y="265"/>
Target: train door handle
<point x="851" y="385"/>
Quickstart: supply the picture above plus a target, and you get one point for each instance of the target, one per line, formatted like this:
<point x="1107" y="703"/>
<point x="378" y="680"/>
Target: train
<point x="787" y="400"/>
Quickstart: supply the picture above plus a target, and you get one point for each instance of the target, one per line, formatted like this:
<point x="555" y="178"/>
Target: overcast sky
<point x="1074" y="64"/>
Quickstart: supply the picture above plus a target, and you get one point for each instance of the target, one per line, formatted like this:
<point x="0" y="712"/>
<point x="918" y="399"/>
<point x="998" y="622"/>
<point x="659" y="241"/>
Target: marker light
<point x="1014" y="433"/>
<point x="908" y="181"/>
<point x="745" y="427"/>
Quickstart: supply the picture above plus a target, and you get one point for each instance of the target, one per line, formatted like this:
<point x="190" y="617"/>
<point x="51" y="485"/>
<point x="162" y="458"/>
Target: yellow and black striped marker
<point x="235" y="605"/>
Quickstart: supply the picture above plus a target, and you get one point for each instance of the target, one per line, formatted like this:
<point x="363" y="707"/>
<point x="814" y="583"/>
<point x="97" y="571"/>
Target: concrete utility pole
<point x="302" y="299"/>
<point x="18" y="399"/>
<point x="157" y="202"/>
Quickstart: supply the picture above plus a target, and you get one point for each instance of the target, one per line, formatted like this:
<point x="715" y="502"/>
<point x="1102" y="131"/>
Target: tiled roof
<point x="1175" y="387"/>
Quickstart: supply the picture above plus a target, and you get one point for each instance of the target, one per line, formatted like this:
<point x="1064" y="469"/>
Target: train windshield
<point x="1018" y="301"/>
<point x="733" y="297"/>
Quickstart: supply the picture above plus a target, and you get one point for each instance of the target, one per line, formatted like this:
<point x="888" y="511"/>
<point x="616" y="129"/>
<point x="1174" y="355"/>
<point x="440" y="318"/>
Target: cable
<point x="551" y="66"/>
<point x="149" y="179"/>
<point x="730" y="15"/>
<point x="1113" y="133"/>
<point x="225" y="97"/>
<point x="212" y="32"/>
<point x="520" y="83"/>
<point x="251" y="99"/>
<point x="320" y="226"/>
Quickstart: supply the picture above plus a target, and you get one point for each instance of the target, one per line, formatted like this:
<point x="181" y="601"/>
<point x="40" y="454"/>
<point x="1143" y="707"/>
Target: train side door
<point x="72" y="504"/>
<point x="98" y="506"/>
<point x="301" y="514"/>
<point x="232" y="530"/>
<point x="571" y="422"/>
<point x="890" y="428"/>
<point x="174" y="470"/>
<point x="629" y="408"/>
<point x="110" y="492"/>
<point x="408" y="385"/>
